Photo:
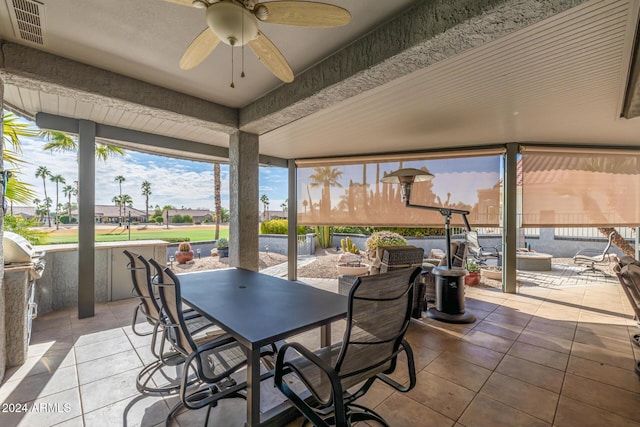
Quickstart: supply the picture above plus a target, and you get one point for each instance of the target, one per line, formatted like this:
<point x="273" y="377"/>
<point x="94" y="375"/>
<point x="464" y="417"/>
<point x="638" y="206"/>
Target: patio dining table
<point x="258" y="309"/>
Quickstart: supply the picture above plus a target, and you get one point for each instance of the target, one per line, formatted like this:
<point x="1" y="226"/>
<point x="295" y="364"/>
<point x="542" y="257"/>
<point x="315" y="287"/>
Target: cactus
<point x="349" y="246"/>
<point x="324" y="234"/>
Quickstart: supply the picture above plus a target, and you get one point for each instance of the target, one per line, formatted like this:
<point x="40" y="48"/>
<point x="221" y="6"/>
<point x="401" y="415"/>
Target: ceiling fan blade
<point x="182" y="2"/>
<point x="271" y="57"/>
<point x="199" y="49"/>
<point x="305" y="14"/>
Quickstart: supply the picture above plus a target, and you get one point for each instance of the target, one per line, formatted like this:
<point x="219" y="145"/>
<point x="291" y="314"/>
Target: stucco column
<point x="243" y="206"/>
<point x="86" y="218"/>
<point x="3" y="349"/>
<point x="509" y="220"/>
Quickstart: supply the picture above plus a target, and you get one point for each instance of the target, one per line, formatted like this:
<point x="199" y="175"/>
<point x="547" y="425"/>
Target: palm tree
<point x="43" y="172"/>
<point x="265" y="202"/>
<point x="61" y="142"/>
<point x="218" y="202"/>
<point x="58" y="179"/>
<point x="120" y="180"/>
<point x="305" y="204"/>
<point x="68" y="191"/>
<point x="326" y="177"/>
<point x="12" y="129"/>
<point x="146" y="192"/>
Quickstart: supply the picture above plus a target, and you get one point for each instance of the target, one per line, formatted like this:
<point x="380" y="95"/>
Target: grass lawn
<point x="193" y="234"/>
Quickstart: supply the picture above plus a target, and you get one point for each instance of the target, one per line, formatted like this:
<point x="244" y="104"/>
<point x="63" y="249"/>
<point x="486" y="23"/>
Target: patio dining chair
<point x="591" y="257"/>
<point x="391" y="258"/>
<point x="379" y="313"/>
<point x="480" y="253"/>
<point x="150" y="306"/>
<point x="212" y="360"/>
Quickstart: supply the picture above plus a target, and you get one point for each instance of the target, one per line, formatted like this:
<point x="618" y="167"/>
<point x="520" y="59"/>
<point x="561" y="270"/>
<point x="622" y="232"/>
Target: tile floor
<point x="556" y="355"/>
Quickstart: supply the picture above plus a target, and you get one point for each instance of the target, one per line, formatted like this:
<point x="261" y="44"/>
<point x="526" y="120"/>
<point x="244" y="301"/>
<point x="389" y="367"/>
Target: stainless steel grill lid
<point x="17" y="249"/>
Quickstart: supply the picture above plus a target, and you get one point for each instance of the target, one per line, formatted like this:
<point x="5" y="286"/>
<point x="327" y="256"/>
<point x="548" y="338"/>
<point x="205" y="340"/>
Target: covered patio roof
<point x="402" y="76"/>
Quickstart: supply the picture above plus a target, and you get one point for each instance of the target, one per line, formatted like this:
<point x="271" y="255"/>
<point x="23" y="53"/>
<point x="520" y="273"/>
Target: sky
<point x="173" y="181"/>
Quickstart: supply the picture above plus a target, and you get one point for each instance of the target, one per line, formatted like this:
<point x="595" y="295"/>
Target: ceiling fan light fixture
<point x="200" y="4"/>
<point x="226" y="20"/>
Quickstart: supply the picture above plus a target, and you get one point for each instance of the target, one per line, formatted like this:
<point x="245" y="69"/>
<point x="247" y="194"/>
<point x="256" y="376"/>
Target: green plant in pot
<point x="473" y="274"/>
<point x="223" y="247"/>
<point x="349" y="262"/>
<point x="184" y="253"/>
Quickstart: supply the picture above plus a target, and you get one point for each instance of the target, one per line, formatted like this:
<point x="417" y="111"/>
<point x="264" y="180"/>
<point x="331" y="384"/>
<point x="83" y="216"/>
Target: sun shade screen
<point x="352" y="194"/>
<point x="580" y="188"/>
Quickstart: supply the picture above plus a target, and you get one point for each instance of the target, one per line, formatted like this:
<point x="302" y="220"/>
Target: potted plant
<point x="473" y="274"/>
<point x="223" y="247"/>
<point x="383" y="238"/>
<point x="184" y="253"/>
<point x="349" y="262"/>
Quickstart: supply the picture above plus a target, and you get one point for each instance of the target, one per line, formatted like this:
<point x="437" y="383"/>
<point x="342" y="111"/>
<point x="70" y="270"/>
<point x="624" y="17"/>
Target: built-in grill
<point x="23" y="265"/>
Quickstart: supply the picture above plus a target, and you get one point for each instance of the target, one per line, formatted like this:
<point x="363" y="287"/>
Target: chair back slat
<point x="141" y="279"/>
<point x="378" y="316"/>
<point x="169" y="289"/>
<point x="473" y="245"/>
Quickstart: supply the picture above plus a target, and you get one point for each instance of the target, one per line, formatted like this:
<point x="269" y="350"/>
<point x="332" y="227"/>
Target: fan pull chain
<point x="232" y="85"/>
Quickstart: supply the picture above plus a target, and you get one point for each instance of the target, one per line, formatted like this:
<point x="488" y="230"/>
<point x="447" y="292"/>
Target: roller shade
<point x="578" y="188"/>
<point x="348" y="191"/>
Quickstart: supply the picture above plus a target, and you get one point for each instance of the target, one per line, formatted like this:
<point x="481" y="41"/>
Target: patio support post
<point x="2" y="305"/>
<point x="637" y="242"/>
<point x="86" y="218"/>
<point x="509" y="220"/>
<point x="292" y="217"/>
<point x="244" y="200"/>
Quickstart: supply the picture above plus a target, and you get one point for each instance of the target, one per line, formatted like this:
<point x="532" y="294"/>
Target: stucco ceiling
<point x="560" y="79"/>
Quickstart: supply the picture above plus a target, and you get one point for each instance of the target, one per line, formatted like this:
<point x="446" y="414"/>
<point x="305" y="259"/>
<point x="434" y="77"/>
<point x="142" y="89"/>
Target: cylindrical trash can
<point x="449" y="287"/>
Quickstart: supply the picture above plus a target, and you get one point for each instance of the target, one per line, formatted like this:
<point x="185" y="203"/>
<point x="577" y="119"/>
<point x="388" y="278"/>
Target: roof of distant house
<point x="192" y="212"/>
<point x="23" y="210"/>
<point x="112" y="211"/>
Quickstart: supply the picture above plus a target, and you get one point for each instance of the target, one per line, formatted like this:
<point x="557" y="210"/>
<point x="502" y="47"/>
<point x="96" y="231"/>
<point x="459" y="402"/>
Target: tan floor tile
<point x="596" y="318"/>
<point x="524" y="307"/>
<point x="400" y="410"/>
<point x="503" y="330"/>
<point x="425" y="338"/>
<point x="603" y="396"/>
<point x="572" y="413"/>
<point x="459" y="371"/>
<point x="532" y="373"/>
<point x="514" y="318"/>
<point x="554" y="315"/>
<point x="618" y="377"/>
<point x="228" y="413"/>
<point x="528" y="398"/>
<point x="546" y="341"/>
<point x="63" y="322"/>
<point x="37" y="386"/>
<point x="99" y="337"/>
<point x="109" y="390"/>
<point x="602" y="355"/>
<point x="622" y="345"/>
<point x="612" y="331"/>
<point x="47" y="411"/>
<point x="480" y="356"/>
<point x="97" y="350"/>
<point x="73" y="422"/>
<point x="489" y="341"/>
<point x="542" y="356"/>
<point x="441" y="395"/>
<point x="47" y="363"/>
<point x="109" y="365"/>
<point x="378" y="392"/>
<point x="561" y="330"/>
<point x="474" y="303"/>
<point x="137" y="411"/>
<point x="486" y="412"/>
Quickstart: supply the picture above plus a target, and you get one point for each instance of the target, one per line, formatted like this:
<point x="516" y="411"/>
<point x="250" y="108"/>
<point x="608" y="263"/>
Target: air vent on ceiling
<point x="27" y="17"/>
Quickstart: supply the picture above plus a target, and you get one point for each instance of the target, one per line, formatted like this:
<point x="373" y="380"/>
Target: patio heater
<point x="449" y="281"/>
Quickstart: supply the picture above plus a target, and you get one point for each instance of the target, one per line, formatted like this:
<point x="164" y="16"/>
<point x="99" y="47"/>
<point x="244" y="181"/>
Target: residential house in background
<point x="110" y="214"/>
<point x="198" y="215"/>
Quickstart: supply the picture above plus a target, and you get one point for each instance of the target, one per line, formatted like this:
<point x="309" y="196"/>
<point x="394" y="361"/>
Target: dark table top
<point x="258" y="309"/>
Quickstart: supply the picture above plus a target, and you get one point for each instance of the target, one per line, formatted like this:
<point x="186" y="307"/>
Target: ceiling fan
<point x="236" y="23"/>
